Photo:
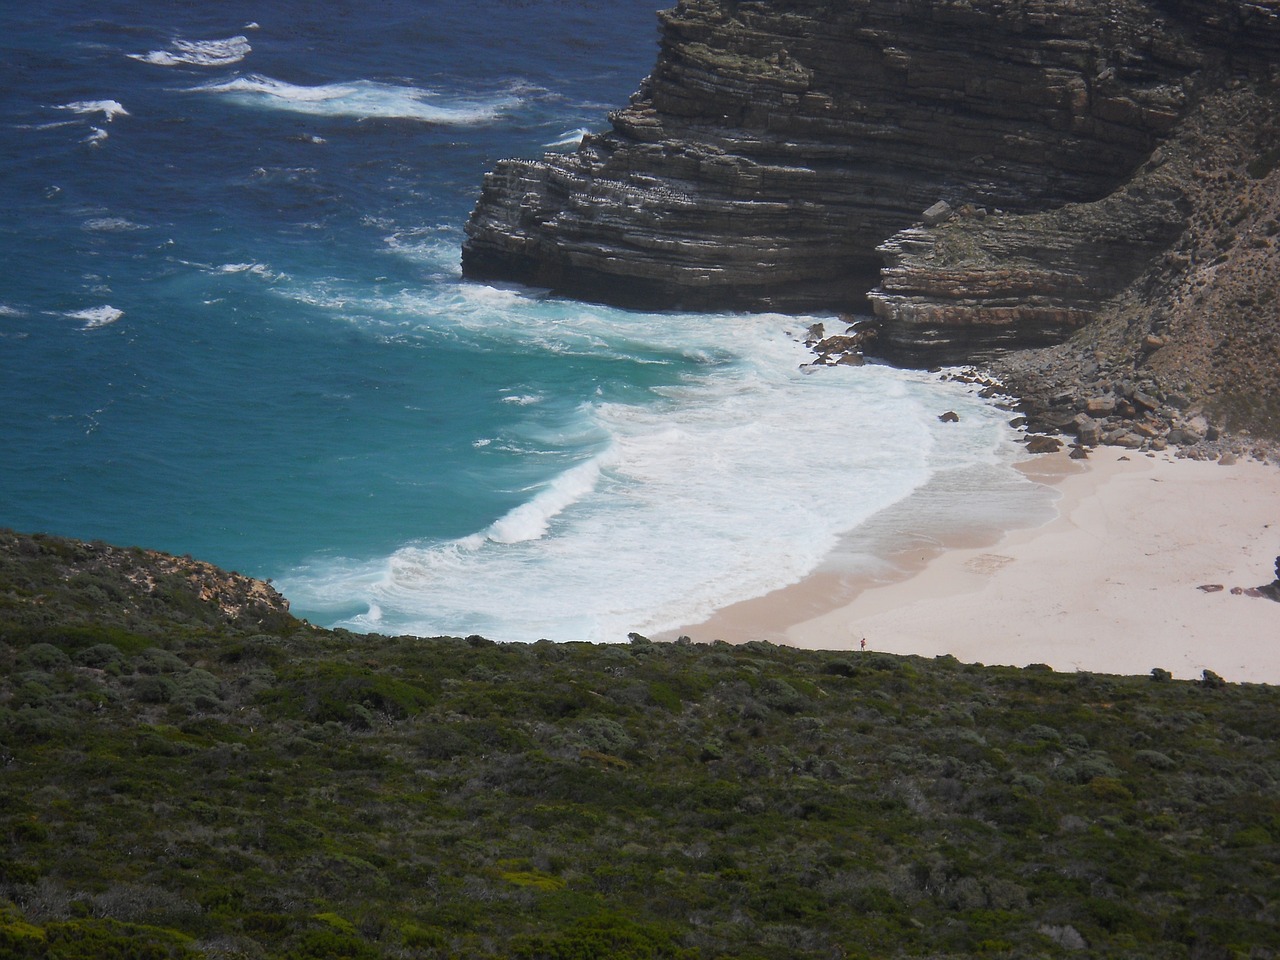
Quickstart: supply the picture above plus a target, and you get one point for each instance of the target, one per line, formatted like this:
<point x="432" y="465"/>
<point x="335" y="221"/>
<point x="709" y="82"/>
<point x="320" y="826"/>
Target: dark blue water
<point x="232" y="325"/>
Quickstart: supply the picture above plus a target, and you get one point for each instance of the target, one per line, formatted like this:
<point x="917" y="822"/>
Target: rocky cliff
<point x="781" y="155"/>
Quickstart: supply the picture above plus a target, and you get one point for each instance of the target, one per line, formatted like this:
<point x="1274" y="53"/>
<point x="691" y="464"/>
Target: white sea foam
<point x="735" y="478"/>
<point x="199" y="53"/>
<point x="531" y="520"/>
<point x="254" y="269"/>
<point x="434" y="247"/>
<point x="95" y="317"/>
<point x="8" y="311"/>
<point x="110" y="109"/>
<point x="362" y="99"/>
<point x="96" y="136"/>
<point x="111" y="225"/>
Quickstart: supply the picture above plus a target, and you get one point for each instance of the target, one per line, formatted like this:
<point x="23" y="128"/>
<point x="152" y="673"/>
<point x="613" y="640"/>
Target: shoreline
<point x="1111" y="584"/>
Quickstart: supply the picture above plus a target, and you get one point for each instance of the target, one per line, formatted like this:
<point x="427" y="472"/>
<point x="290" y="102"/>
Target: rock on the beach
<point x="1043" y="444"/>
<point x="1087" y="429"/>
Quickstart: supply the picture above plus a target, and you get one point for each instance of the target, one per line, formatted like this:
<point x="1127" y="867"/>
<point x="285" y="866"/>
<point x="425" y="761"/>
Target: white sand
<point x="1111" y="585"/>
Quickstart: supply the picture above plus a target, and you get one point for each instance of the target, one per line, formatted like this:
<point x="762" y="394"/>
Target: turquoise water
<point x="232" y="325"/>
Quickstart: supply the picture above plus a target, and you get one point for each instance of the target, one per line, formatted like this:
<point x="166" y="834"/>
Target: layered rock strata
<point x="1191" y="347"/>
<point x="961" y="289"/>
<point x="1103" y="174"/>
<point x="778" y="144"/>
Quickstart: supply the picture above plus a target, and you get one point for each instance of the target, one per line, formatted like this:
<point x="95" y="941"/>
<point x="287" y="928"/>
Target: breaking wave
<point x="198" y="53"/>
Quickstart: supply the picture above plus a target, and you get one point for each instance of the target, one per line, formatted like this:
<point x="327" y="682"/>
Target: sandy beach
<point x="1113" y="584"/>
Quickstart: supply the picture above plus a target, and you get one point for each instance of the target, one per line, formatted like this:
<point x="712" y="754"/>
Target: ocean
<point x="233" y="325"/>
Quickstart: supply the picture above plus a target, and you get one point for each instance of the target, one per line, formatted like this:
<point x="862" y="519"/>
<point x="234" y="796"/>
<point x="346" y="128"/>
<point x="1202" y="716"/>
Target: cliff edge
<point x="782" y="153"/>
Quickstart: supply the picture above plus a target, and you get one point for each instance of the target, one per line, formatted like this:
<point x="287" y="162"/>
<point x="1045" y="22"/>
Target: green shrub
<point x="1109" y="788"/>
<point x="1156" y="759"/>
<point x="43" y="656"/>
<point x="331" y="945"/>
<point x="1256" y="836"/>
<point x="102" y="656"/>
<point x="604" y="735"/>
<point x="155" y="688"/>
<point x="1212" y="681"/>
<point x="158" y="660"/>
<point x="94" y="939"/>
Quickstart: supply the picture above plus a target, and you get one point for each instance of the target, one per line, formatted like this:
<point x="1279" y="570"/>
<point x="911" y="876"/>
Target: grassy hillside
<point x="184" y="775"/>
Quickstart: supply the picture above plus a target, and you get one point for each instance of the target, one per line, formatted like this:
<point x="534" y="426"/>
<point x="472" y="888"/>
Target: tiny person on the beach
<point x="864" y="644"/>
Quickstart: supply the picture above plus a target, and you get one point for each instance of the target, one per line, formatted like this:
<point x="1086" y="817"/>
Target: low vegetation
<point x="176" y="787"/>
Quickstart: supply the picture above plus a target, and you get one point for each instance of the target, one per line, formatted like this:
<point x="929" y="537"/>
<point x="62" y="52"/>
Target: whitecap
<point x="254" y="269"/>
<point x="362" y="99"/>
<point x="111" y="225"/>
<point x="522" y="399"/>
<point x="8" y="311"/>
<point x="110" y="109"/>
<point x="95" y="317"/>
<point x="198" y="53"/>
<point x="96" y="136"/>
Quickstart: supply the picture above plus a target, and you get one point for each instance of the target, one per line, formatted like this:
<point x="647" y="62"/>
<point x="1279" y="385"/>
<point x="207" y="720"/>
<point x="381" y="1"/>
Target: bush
<point x="43" y="656"/>
<point x="157" y="660"/>
<point x="1154" y="758"/>
<point x="155" y="689"/>
<point x="605" y="735"/>
<point x="101" y="656"/>
<point x="1109" y="788"/>
<point x="1212" y="681"/>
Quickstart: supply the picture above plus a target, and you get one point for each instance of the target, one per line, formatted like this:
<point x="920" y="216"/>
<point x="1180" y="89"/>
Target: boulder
<point x="940" y="212"/>
<point x="1087" y="429"/>
<point x="1040" y="443"/>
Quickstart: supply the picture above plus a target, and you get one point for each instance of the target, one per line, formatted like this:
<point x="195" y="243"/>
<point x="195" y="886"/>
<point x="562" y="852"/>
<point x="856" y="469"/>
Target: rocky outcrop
<point x="975" y="282"/>
<point x="58" y="580"/>
<point x="1190" y="348"/>
<point x="984" y="174"/>
<point x="778" y="144"/>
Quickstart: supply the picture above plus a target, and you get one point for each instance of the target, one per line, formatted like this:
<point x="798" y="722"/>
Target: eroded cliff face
<point x="1195" y="335"/>
<point x="782" y="153"/>
<point x="777" y="144"/>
